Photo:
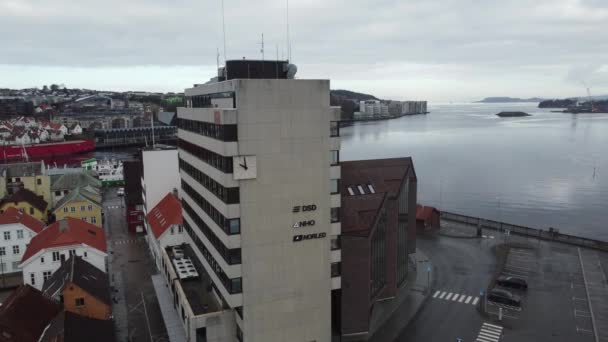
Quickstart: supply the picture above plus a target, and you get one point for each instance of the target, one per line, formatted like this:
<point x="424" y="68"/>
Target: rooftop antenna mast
<point x="262" y="50"/>
<point x="224" y="33"/>
<point x="217" y="57"/>
<point x="288" y="38"/>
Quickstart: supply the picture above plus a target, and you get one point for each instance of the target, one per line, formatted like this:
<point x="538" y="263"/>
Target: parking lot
<point x="555" y="307"/>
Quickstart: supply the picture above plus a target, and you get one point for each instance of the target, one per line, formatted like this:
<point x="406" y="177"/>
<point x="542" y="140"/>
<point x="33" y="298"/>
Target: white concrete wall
<point x="37" y="267"/>
<point x="9" y="258"/>
<point x="161" y="175"/>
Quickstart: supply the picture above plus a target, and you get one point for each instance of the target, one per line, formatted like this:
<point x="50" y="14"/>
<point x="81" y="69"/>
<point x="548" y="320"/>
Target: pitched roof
<point x="166" y="213"/>
<point x="74" y="180"/>
<point x="67" y="232"/>
<point x="25" y="195"/>
<point x="424" y="213"/>
<point x="22" y="169"/>
<point x="81" y="273"/>
<point x="25" y="314"/>
<point x="13" y="215"/>
<point x="365" y="185"/>
<point x="79" y="194"/>
<point x="70" y="327"/>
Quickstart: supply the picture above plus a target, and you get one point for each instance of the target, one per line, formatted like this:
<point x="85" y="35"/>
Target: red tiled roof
<point x="166" y="213"/>
<point x="67" y="232"/>
<point x="424" y="213"/>
<point x="25" y="314"/>
<point x="13" y="215"/>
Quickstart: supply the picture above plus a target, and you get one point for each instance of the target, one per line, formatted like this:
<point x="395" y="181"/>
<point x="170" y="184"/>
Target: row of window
<point x="16" y="250"/>
<point x="14" y="269"/>
<point x="82" y="208"/>
<point x="58" y="192"/>
<point x="208" y="129"/>
<point x="231" y="285"/>
<point x="206" y="100"/>
<point x="7" y="235"/>
<point x="45" y="275"/>
<point x="218" y="161"/>
<point x="229" y="226"/>
<point x="226" y="195"/>
<point x="336" y="269"/>
<point x="334" y="129"/>
<point x="361" y="189"/>
<point x="334" y="186"/>
<point x="231" y="256"/>
<point x="93" y="219"/>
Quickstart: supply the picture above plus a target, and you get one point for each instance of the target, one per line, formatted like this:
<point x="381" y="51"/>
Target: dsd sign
<point x="298" y="238"/>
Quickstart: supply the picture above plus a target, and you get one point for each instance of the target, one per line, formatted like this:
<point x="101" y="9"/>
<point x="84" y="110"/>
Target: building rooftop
<point x="365" y="185"/>
<point x="80" y="194"/>
<point x="198" y="290"/>
<point x="67" y="232"/>
<point x="74" y="180"/>
<point x="25" y="314"/>
<point x="165" y="214"/>
<point x="22" y="169"/>
<point x="25" y="195"/>
<point x="81" y="273"/>
<point x="13" y="215"/>
<point x="132" y="172"/>
<point x="70" y="327"/>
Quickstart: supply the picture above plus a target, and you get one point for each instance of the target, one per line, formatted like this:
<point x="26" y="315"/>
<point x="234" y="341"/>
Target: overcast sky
<point x="439" y="50"/>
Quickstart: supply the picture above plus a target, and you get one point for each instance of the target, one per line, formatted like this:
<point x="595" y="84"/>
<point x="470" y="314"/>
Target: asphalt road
<point x="136" y="307"/>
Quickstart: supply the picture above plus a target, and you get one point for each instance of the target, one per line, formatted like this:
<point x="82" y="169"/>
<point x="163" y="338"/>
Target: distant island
<point x="508" y="100"/>
<point x="512" y="114"/>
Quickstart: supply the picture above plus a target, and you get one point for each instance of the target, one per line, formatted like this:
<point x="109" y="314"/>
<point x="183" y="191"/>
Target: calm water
<point x="546" y="170"/>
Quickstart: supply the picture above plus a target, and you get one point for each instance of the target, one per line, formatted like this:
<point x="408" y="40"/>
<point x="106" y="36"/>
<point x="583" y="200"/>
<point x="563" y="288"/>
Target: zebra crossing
<point x="489" y="333"/>
<point x="124" y="242"/>
<point x="456" y="297"/>
<point x="113" y="206"/>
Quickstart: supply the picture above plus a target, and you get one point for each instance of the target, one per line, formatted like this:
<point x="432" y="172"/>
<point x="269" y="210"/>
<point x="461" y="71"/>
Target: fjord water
<point x="545" y="170"/>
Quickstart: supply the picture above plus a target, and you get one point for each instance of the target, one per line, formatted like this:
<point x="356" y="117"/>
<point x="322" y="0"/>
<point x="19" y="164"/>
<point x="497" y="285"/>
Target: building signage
<point x="298" y="238"/>
<point x="303" y="224"/>
<point x="303" y="208"/>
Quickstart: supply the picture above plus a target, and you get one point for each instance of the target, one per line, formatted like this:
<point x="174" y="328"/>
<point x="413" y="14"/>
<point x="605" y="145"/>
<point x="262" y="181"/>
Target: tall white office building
<point x="259" y="168"/>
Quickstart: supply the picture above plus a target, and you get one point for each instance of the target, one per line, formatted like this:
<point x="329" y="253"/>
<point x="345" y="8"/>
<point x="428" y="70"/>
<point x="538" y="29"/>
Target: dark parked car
<point x="512" y="282"/>
<point x="504" y="297"/>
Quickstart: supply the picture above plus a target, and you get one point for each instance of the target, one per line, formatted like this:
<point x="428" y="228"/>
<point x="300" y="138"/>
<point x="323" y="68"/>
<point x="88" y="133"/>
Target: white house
<point x="43" y="135"/>
<point x="16" y="231"/>
<point x="56" y="135"/>
<point x="23" y="139"/>
<point x="60" y="127"/>
<point x="56" y="243"/>
<point x="76" y="129"/>
<point x="164" y="226"/>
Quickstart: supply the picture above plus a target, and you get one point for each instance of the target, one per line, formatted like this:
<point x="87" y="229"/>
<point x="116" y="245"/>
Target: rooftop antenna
<point x="288" y="38"/>
<point x="217" y="57"/>
<point x="277" y="63"/>
<point x="262" y="50"/>
<point x="224" y="32"/>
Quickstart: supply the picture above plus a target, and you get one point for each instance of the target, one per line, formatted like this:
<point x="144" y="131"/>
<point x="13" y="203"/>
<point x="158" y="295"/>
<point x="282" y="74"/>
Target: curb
<point x="456" y="236"/>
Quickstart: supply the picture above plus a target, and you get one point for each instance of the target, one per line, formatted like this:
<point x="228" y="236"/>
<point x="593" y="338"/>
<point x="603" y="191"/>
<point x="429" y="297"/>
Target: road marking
<point x="468" y="299"/>
<point x="442" y="294"/>
<point x="489" y="333"/>
<point x="462" y="297"/>
<point x="449" y="296"/>
<point x="436" y="294"/>
<point x="475" y="301"/>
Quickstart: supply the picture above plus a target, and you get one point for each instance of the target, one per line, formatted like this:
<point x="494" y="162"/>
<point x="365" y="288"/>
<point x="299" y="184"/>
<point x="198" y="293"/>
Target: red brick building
<point x="378" y="221"/>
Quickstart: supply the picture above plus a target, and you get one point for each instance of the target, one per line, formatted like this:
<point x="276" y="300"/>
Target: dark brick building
<point x="135" y="213"/>
<point x="378" y="221"/>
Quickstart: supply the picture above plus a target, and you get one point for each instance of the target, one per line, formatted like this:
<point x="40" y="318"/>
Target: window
<point x="335" y="243"/>
<point x="16" y="249"/>
<point x="32" y="278"/>
<point x="371" y="189"/>
<point x="218" y="161"/>
<point x="57" y="193"/>
<point x="93" y="219"/>
<point x="335" y="157"/>
<point x="334" y="129"/>
<point x="15" y="265"/>
<point x="83" y="207"/>
<point x="90" y="207"/>
<point x="20" y="234"/>
<point x="65" y="209"/>
<point x="39" y="181"/>
<point x="180" y="228"/>
<point x="335" y="215"/>
<point x="7" y="236"/>
<point x="334" y="186"/>
<point x="3" y="251"/>
<point x="46" y="275"/>
<point x="236" y="285"/>
<point x="65" y="192"/>
<point x="84" y="218"/>
<point x="42" y="260"/>
<point x="31" y="211"/>
<point x="55" y="256"/>
<point x="335" y="269"/>
<point x="79" y="301"/>
<point x="85" y="254"/>
<point x="17" y="179"/>
<point x="361" y="191"/>
<point x="227" y="195"/>
<point x="234" y="226"/>
<point x="172" y="230"/>
<point x="72" y="252"/>
<point x="351" y="191"/>
<point x="73" y="209"/>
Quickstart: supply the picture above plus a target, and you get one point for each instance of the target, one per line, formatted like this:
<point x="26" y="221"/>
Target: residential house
<point x="4" y="132"/>
<point x="34" y="138"/>
<point x="31" y="176"/>
<point x="81" y="203"/>
<point x="43" y="135"/>
<point x="70" y="327"/>
<point x="16" y="231"/>
<point x="75" y="129"/>
<point x="25" y="314"/>
<point x="60" y="127"/>
<point x="27" y="202"/>
<point x="62" y="184"/>
<point x="56" y="135"/>
<point x="427" y="218"/>
<point x="82" y="288"/>
<point x="22" y="138"/>
<point x="56" y="243"/>
<point x="165" y="221"/>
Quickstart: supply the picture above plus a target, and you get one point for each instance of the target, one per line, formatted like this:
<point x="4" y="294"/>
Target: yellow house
<point x="80" y="203"/>
<point x="31" y="176"/>
<point x="27" y="202"/>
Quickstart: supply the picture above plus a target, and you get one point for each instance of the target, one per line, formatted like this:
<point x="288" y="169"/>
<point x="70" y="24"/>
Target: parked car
<point x="512" y="282"/>
<point x="504" y="297"/>
<point x="120" y="192"/>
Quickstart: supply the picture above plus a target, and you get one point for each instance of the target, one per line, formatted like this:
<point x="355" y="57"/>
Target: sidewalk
<point x="409" y="300"/>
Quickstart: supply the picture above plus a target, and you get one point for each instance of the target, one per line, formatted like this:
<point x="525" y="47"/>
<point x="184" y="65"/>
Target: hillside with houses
<point x="29" y="130"/>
